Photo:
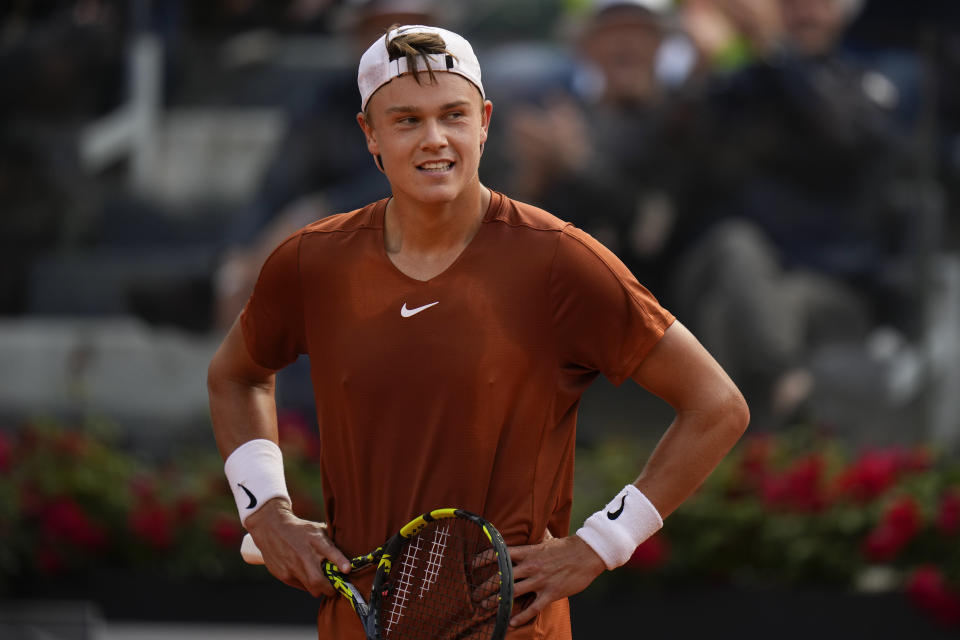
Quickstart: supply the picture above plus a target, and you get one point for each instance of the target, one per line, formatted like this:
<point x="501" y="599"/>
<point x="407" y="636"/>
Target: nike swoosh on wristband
<point x="616" y="514"/>
<point x="406" y="313"/>
<point x="253" y="498"/>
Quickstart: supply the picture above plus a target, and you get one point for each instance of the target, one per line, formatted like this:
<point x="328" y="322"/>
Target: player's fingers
<point x="323" y="588"/>
<point x="517" y="554"/>
<point x="487" y="588"/>
<point x="521" y="552"/>
<point x="325" y="548"/>
<point x="530" y="612"/>
<point x="484" y="558"/>
<point x="300" y="573"/>
<point x="293" y="582"/>
<point x="314" y="580"/>
<point x="526" y="566"/>
<point x="317" y="588"/>
<point x="524" y="585"/>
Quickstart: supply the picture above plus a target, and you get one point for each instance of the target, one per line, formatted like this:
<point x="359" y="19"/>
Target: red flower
<point x="928" y="589"/>
<point x="186" y="509"/>
<point x="918" y="460"/>
<point x="900" y="523"/>
<point x="948" y="515"/>
<point x="904" y="516"/>
<point x="800" y="487"/>
<point x="154" y="525"/>
<point x="6" y="453"/>
<point x="882" y="545"/>
<point x="64" y="520"/>
<point x="226" y="530"/>
<point x="651" y="554"/>
<point x="754" y="465"/>
<point x="871" y="475"/>
<point x="144" y="488"/>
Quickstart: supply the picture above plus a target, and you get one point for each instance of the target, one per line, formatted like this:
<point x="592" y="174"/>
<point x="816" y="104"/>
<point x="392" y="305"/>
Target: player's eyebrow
<point x="412" y="109"/>
<point x="402" y="109"/>
<point x="454" y="105"/>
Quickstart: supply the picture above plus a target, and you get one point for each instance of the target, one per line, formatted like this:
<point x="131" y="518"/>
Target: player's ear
<point x="372" y="146"/>
<point x="485" y="121"/>
<point x="366" y="125"/>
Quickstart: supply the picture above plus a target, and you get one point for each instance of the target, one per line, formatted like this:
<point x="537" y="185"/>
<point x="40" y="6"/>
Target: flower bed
<point x="795" y="511"/>
<point x="73" y="501"/>
<point x="799" y="510"/>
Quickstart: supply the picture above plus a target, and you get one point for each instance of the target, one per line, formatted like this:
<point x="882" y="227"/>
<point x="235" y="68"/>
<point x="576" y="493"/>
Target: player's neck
<point x="412" y="226"/>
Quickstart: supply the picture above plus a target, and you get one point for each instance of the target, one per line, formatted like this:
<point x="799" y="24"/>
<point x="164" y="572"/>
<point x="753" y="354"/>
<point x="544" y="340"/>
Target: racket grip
<point x="248" y="549"/>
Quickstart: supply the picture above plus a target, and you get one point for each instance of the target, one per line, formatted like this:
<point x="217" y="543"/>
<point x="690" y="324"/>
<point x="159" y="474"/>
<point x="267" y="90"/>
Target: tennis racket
<point x="445" y="574"/>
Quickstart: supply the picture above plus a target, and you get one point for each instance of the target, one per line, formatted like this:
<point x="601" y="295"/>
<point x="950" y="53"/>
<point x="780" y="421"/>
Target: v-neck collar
<point x="379" y="219"/>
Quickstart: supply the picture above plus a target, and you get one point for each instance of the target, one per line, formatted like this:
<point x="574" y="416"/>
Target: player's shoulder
<point x="514" y="213"/>
<point x="527" y="216"/>
<point x="289" y="250"/>
<point x="356" y="220"/>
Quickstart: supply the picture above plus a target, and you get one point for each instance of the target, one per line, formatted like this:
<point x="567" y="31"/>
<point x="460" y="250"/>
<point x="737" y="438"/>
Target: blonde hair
<point x="415" y="47"/>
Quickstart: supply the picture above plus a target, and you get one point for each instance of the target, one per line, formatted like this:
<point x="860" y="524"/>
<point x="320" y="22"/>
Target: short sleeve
<point x="272" y="320"/>
<point x="604" y="319"/>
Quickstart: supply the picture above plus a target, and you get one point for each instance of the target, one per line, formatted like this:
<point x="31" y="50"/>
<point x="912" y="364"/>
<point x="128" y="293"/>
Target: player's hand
<point x="294" y="549"/>
<point x="553" y="569"/>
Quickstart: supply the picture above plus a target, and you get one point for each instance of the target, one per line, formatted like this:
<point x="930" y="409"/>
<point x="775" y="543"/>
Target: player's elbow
<point x="741" y="414"/>
<point x="216" y="373"/>
<point x="731" y="413"/>
<point x="233" y="368"/>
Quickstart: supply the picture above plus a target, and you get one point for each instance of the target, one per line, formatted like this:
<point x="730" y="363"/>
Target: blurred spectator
<point x="603" y="145"/>
<point x="230" y="17"/>
<point x="949" y="115"/>
<point x="60" y="61"/>
<point x="810" y="238"/>
<point x="728" y="34"/>
<point x="61" y="64"/>
<point x="318" y="169"/>
<point x="922" y="37"/>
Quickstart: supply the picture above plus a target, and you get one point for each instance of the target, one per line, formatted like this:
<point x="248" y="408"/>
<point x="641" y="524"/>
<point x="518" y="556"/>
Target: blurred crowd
<point x="779" y="173"/>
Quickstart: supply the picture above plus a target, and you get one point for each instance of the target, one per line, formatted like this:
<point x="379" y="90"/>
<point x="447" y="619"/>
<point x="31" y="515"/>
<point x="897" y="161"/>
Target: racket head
<point x="447" y="574"/>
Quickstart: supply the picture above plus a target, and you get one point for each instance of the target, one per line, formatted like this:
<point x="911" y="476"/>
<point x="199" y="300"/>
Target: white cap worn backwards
<point x="377" y="69"/>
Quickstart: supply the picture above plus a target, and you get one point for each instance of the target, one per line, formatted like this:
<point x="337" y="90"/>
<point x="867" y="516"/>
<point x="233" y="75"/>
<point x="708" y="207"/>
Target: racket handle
<point x="248" y="549"/>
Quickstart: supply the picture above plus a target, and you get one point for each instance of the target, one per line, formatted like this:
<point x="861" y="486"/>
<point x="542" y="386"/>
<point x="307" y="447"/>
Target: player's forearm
<point x="240" y="409"/>
<point x="689" y="450"/>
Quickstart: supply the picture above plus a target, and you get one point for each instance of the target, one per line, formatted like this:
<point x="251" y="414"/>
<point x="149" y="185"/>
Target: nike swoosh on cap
<point x="406" y="312"/>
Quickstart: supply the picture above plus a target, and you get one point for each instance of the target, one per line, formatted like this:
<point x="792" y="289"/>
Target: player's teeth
<point x="436" y="166"/>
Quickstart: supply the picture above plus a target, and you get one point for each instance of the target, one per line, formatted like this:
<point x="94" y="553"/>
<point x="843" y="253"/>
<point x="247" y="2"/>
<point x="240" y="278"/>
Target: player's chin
<point x="439" y="193"/>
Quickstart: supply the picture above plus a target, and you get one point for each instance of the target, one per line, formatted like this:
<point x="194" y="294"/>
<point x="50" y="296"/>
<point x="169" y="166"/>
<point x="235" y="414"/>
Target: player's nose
<point x="434" y="136"/>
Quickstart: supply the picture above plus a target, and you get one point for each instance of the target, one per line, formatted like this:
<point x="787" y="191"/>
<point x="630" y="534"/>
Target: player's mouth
<point x="437" y="166"/>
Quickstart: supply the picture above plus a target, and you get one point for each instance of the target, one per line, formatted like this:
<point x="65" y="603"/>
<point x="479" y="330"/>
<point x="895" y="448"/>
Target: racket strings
<point x="442" y="585"/>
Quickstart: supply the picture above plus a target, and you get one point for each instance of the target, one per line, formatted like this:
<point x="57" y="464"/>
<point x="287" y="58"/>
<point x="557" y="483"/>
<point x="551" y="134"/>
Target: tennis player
<point x="451" y="333"/>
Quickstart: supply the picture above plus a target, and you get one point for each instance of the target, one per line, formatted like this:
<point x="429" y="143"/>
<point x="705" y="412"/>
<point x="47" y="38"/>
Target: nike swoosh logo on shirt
<point x="406" y="313"/>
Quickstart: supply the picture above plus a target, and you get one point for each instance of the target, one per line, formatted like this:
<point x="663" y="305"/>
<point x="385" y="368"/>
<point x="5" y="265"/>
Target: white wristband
<point x="255" y="473"/>
<point x="616" y="531"/>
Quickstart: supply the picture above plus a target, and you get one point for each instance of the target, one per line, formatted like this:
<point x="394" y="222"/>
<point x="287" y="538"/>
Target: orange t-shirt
<point x="458" y="391"/>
